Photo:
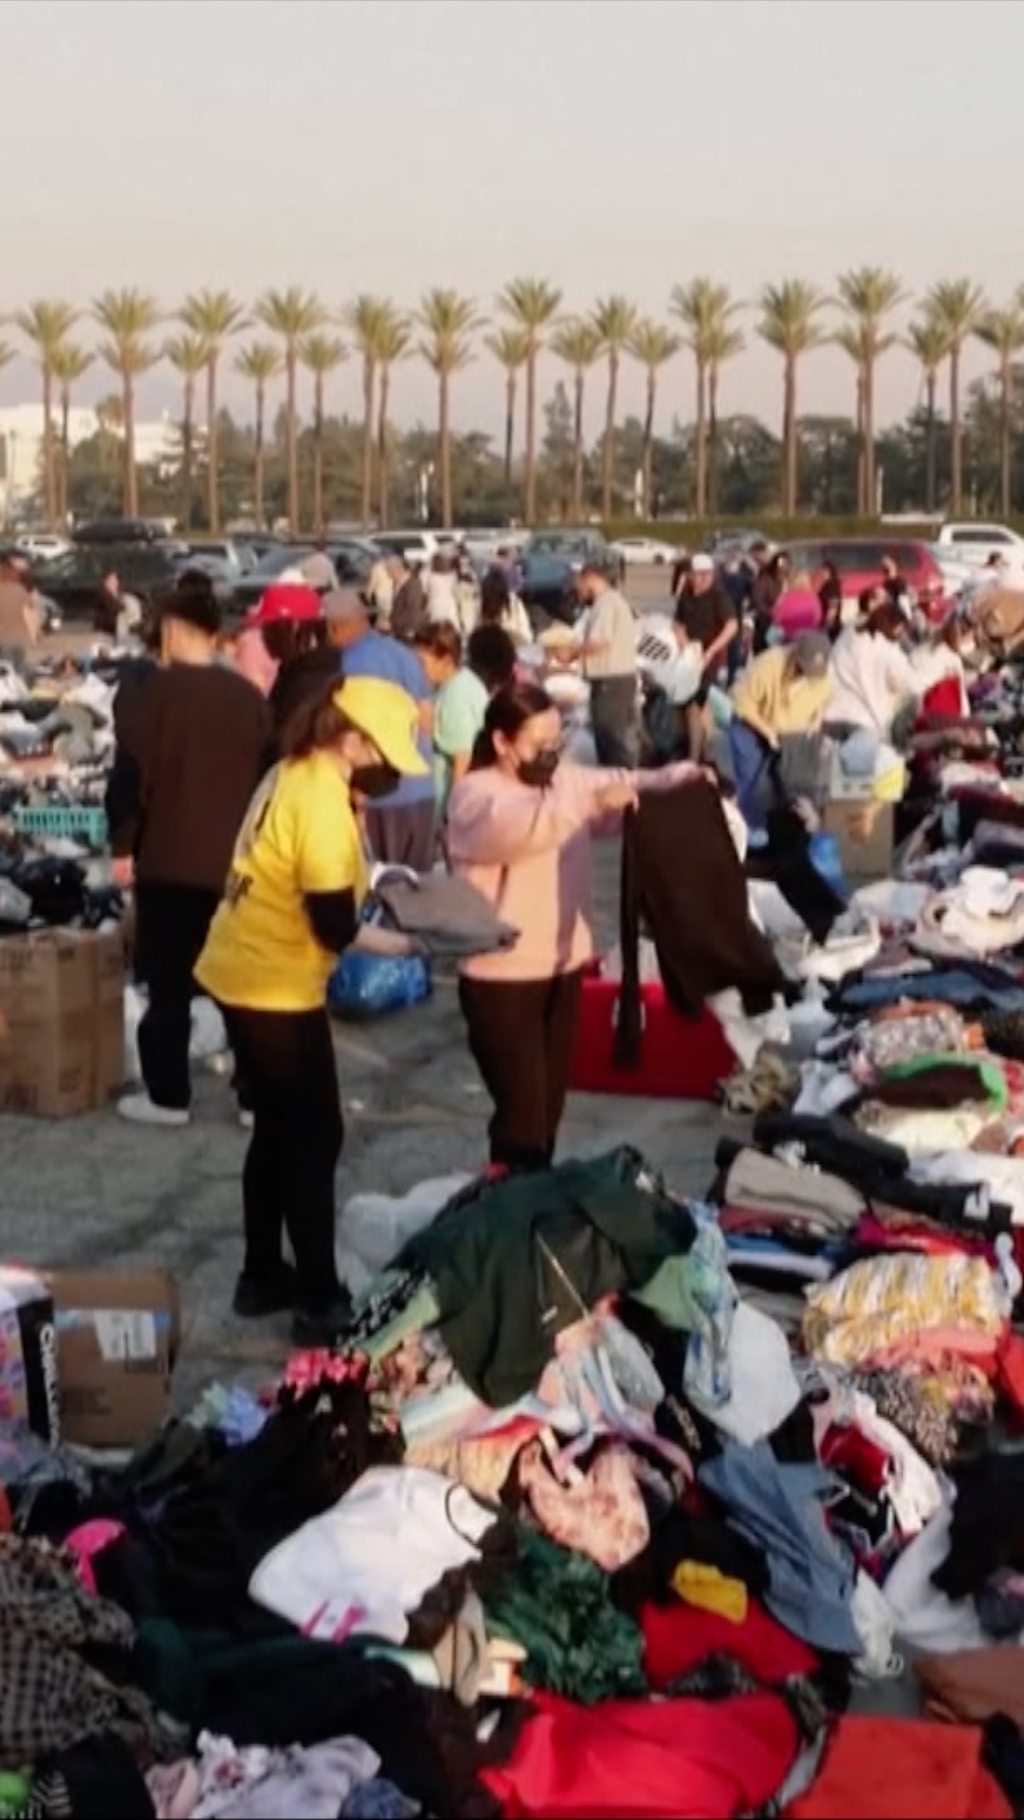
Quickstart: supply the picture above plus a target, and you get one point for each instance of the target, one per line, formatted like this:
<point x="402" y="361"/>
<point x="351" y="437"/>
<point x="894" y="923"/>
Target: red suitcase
<point x="681" y="1058"/>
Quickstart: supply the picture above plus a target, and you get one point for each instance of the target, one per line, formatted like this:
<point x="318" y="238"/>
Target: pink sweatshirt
<point x="253" y="660"/>
<point x="528" y="852"/>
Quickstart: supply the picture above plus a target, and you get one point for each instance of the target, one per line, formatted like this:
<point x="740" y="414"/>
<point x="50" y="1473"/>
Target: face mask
<point x="538" y="772"/>
<point x="374" y="780"/>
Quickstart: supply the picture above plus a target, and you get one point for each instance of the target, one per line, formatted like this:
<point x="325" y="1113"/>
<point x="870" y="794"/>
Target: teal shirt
<point x="458" y="717"/>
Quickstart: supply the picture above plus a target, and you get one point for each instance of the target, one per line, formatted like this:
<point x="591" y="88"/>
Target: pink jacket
<point x="253" y="660"/>
<point x="528" y="852"/>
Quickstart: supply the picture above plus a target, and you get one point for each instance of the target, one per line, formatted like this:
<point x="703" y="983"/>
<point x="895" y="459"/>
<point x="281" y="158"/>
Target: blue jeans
<point x="750" y="756"/>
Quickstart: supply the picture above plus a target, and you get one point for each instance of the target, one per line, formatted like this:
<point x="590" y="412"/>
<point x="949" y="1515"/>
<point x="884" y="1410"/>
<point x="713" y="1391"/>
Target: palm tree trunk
<point x="383" y="477"/>
<point x="608" y="463"/>
<point x="860" y="443"/>
<point x="510" y="422"/>
<point x="130" y="492"/>
<point x="292" y="432"/>
<point x="932" y="450"/>
<point x="712" y="440"/>
<point x="647" y="461"/>
<point x="577" y="449"/>
<point x="956" y="446"/>
<point x="700" y="503"/>
<point x="789" y="440"/>
<point x="212" y="450"/>
<point x="368" y="380"/>
<point x="258" y="480"/>
<point x="318" y="455"/>
<point x="445" y="452"/>
<point x="1005" y="379"/>
<point x="65" y="451"/>
<point x="186" y="453"/>
<point x="49" y="451"/>
<point x="870" y="487"/>
<point x="530" y="502"/>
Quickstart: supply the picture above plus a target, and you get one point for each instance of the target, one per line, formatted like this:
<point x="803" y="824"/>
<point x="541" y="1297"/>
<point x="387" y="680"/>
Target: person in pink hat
<point x="283" y="648"/>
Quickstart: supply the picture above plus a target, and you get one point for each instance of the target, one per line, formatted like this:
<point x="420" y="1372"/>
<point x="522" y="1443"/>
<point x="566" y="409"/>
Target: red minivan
<point x="859" y="561"/>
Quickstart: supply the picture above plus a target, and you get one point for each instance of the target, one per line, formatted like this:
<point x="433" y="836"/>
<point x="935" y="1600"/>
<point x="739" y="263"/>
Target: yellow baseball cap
<point x="388" y="716"/>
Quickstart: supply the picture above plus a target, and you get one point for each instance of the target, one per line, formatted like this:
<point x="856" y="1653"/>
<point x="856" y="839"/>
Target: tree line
<point x="793" y="317"/>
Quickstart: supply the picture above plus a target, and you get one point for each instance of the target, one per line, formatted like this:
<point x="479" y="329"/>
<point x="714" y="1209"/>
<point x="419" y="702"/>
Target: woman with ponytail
<point x="519" y="829"/>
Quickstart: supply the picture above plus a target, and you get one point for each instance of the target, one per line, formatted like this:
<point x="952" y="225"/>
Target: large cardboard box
<point x="61" y="1012"/>
<point x="864" y="832"/>
<point x="118" y="1334"/>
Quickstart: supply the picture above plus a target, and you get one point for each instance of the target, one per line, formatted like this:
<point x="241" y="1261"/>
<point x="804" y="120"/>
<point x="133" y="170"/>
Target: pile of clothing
<point x="610" y="1502"/>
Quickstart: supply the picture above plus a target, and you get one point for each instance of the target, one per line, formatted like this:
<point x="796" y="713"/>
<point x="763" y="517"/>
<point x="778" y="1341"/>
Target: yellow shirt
<point x="775" y="701"/>
<point x="299" y="836"/>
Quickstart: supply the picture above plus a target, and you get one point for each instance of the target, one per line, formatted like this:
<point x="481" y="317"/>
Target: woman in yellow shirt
<point x="784" y="691"/>
<point x="290" y="906"/>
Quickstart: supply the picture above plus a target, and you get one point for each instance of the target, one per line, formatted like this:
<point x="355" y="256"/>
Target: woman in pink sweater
<point x="520" y="826"/>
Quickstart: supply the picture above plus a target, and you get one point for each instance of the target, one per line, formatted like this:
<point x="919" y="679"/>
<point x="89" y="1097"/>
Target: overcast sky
<point x="625" y="145"/>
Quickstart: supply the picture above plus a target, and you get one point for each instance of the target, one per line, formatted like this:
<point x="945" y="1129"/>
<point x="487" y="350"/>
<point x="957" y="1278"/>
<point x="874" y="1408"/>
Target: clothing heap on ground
<point x="611" y="1502"/>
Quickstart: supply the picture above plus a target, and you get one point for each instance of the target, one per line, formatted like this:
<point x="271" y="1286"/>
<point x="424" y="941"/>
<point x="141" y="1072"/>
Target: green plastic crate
<point x="74" y="821"/>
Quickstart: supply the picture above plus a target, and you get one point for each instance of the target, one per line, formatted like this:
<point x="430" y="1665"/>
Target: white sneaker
<point x="246" y="1119"/>
<point x="139" y="1109"/>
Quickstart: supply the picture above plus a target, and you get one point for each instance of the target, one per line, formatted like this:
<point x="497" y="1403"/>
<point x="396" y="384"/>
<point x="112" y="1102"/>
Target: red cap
<point x="285" y="600"/>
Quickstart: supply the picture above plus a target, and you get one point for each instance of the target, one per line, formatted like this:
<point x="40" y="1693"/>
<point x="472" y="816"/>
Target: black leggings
<point x="287" y="1061"/>
<point x="172" y="923"/>
<point x="522" y="1035"/>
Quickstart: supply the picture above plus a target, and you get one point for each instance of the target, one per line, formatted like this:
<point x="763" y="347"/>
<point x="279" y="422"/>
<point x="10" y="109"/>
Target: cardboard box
<point x="61" y="1007"/>
<point x="118" y="1334"/>
<point x="28" y="1354"/>
<point x="864" y="831"/>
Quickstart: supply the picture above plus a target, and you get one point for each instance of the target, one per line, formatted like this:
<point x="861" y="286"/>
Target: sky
<point x="607" y="145"/>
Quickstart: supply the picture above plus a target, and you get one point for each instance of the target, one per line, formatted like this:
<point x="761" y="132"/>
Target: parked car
<point x="976" y="543"/>
<point x="644" y="549"/>
<point x="482" y="543"/>
<point x="859" y="561"/>
<point x="233" y="558"/>
<point x="724" y="546"/>
<point x="423" y="545"/>
<point x="73" y="582"/>
<point x="353" y="558"/>
<point x="551" y="562"/>
<point x="119" y="531"/>
<point x="42" y="545"/>
<point x="957" y="571"/>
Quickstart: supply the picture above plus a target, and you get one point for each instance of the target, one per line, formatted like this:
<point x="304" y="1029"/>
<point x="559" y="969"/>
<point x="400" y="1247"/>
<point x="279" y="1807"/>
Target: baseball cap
<point x="702" y="564"/>
<point x="286" y="600"/>
<point x="811" y="651"/>
<point x="388" y="716"/>
<point x="343" y="603"/>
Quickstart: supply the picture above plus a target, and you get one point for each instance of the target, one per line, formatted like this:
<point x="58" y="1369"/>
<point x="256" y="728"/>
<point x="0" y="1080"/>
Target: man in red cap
<point x="290" y="621"/>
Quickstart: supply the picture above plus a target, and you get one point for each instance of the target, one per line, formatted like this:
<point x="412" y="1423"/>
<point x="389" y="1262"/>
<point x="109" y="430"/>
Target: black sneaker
<point x="323" y="1326"/>
<point x="259" y="1296"/>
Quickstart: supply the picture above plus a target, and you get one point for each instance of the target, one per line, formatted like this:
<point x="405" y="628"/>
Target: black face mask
<point x="539" y="772"/>
<point x="374" y="781"/>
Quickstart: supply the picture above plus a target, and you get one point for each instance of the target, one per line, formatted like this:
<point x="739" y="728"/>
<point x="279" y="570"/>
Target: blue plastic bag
<point x="369" y="985"/>
<point x="823" y="852"/>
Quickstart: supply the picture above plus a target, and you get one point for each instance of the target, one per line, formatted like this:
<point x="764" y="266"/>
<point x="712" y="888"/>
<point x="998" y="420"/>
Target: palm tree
<point x="321" y="354"/>
<point x="128" y="316"/>
<point x="869" y="295"/>
<point x="1003" y="332"/>
<point x="449" y="320"/>
<point x="365" y="317"/>
<point x="511" y="349"/>
<point x="188" y="355"/>
<point x="532" y="305"/>
<point x="851" y="339"/>
<point x="212" y="316"/>
<point x="47" y="324"/>
<point x="70" y="364"/>
<point x="958" y="305"/>
<point x="614" y="320"/>
<point x="789" y="324"/>
<point x="293" y="315"/>
<point x="722" y="342"/>
<point x="578" y="343"/>
<point x="706" y="311"/>
<point x="261" y="363"/>
<point x="393" y="344"/>
<point x="928" y="340"/>
<point x="652" y="345"/>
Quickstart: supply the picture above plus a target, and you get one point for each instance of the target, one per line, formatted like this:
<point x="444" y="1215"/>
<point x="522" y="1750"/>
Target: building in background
<point x="21" y="448"/>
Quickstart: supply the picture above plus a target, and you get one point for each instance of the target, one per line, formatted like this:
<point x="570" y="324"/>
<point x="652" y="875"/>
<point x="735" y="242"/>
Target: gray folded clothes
<point x="444" y="915"/>
<point x="788" y="1190"/>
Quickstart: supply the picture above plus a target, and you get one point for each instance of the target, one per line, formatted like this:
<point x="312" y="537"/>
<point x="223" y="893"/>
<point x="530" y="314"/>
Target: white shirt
<point x="442" y="599"/>
<point x="610" y="623"/>
<point x="871" y="676"/>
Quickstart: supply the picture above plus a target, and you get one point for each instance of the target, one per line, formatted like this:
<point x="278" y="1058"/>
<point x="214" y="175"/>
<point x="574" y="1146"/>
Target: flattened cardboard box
<point x="61" y="1006"/>
<point x="118" y="1334"/>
